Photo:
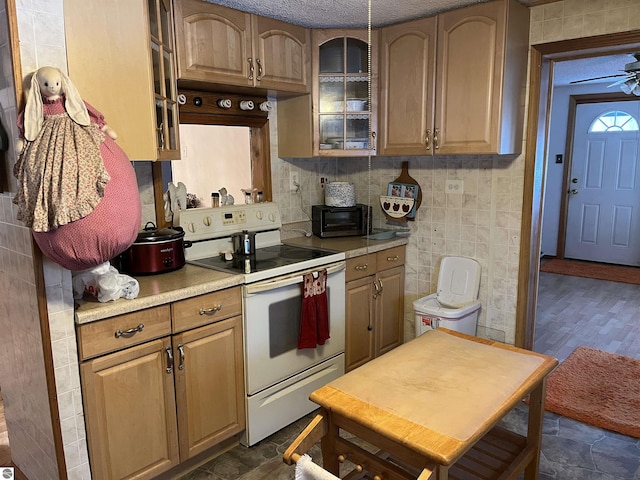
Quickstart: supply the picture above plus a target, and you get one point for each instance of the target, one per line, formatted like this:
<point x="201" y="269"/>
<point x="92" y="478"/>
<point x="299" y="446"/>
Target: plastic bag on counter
<point x="105" y="283"/>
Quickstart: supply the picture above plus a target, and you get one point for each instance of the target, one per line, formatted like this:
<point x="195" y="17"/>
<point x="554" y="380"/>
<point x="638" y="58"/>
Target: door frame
<point x="541" y="60"/>
<point x="574" y="101"/>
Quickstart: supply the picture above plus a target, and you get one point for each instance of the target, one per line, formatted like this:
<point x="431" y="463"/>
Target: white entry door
<point x="603" y="218"/>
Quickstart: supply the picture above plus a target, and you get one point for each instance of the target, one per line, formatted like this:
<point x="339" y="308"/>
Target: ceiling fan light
<point x="629" y="86"/>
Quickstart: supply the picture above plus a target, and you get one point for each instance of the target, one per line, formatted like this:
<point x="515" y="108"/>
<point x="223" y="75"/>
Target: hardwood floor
<point x="574" y="311"/>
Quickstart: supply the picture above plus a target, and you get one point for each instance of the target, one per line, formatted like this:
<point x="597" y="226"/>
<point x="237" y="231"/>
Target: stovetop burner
<point x="266" y="258"/>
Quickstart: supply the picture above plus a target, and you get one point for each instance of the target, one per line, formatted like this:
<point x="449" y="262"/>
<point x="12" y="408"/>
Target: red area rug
<point x="598" y="388"/>
<point x="600" y="271"/>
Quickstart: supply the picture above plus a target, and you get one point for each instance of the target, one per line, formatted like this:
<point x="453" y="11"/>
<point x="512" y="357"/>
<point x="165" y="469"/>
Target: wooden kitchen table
<point x="433" y="404"/>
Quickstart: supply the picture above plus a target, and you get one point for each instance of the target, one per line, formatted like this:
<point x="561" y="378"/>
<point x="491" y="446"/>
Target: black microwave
<point x="340" y="221"/>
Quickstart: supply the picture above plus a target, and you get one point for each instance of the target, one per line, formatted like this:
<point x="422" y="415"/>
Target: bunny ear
<point x="33" y="110"/>
<point x="74" y="105"/>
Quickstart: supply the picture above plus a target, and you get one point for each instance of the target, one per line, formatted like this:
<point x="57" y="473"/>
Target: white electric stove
<point x="279" y="377"/>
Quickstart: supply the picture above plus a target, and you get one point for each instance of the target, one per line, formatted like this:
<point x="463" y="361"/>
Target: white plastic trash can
<point x="455" y="305"/>
<point x="429" y="314"/>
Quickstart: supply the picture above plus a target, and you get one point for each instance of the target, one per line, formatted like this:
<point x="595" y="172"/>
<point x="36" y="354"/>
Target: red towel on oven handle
<point x="308" y="321"/>
<point x="322" y="307"/>
<point x="314" y="314"/>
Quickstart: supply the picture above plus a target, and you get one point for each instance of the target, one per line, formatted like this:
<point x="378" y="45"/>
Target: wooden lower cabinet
<point x="130" y="412"/>
<point x="209" y="385"/>
<point x="150" y="406"/>
<point x="375" y="305"/>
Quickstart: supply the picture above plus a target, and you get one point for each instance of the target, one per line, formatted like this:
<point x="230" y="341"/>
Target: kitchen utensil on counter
<point x="155" y="251"/>
<point x="244" y="243"/>
<point x="244" y="250"/>
<point x="340" y="194"/>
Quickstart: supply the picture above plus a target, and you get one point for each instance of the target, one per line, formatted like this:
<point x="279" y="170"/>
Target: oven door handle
<point x="291" y="280"/>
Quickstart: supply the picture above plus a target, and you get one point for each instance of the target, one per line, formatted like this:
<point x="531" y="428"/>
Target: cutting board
<point x="405" y="179"/>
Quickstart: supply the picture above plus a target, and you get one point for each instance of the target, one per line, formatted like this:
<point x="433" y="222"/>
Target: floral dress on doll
<point x="61" y="174"/>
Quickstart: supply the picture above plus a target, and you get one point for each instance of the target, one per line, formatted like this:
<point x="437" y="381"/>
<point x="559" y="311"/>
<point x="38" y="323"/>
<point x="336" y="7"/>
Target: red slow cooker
<point x="154" y="251"/>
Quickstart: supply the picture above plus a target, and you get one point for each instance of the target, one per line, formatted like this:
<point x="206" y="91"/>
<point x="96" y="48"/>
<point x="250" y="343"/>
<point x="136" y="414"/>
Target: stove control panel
<point x="210" y="223"/>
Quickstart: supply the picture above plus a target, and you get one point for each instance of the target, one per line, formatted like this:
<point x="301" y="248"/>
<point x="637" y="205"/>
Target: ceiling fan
<point x="630" y="83"/>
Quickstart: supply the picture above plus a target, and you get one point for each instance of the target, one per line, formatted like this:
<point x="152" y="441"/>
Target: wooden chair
<point x="379" y="466"/>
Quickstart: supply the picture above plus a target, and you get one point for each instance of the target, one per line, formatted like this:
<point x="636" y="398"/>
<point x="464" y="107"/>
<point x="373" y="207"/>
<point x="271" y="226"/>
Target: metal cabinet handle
<point x="377" y="288"/>
<point x="212" y="310"/>
<point x="373" y="141"/>
<point x="427" y="140"/>
<point x="395" y="258"/>
<point x="260" y="70"/>
<point x="129" y="333"/>
<point x="251" y="68"/>
<point x="381" y="288"/>
<point x="169" y="360"/>
<point x="362" y="268"/>
<point x="436" y="145"/>
<point x="181" y="352"/>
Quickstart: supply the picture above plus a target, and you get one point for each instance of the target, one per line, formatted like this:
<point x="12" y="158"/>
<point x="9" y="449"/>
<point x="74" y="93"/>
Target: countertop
<point x="192" y="280"/>
<point x="156" y="290"/>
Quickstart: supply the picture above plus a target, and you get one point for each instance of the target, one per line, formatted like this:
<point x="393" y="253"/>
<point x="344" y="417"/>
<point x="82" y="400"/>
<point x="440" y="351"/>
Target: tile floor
<point x="572" y="311"/>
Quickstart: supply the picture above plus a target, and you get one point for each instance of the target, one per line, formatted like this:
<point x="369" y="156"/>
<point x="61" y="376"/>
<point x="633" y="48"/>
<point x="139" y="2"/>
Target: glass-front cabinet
<point x="164" y="79"/>
<point x="344" y="88"/>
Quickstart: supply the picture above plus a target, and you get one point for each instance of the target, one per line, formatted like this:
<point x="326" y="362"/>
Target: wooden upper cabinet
<point x="283" y="52"/>
<point x="220" y="45"/>
<point x="120" y="56"/>
<point x="407" y="80"/>
<point x="336" y="120"/>
<point x="480" y="69"/>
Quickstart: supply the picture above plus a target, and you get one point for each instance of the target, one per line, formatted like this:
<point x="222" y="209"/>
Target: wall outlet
<point x="454" y="186"/>
<point x="294" y="181"/>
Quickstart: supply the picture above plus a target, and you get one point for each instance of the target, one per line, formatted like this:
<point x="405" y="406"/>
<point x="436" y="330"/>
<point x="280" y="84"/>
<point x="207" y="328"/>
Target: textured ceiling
<point x="568" y="71"/>
<point x="347" y="13"/>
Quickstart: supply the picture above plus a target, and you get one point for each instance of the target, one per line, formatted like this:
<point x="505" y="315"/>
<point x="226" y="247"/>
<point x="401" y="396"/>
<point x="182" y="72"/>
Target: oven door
<point x="272" y="322"/>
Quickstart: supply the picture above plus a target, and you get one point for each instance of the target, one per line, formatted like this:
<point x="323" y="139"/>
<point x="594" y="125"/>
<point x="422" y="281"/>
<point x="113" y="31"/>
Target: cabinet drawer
<point x="205" y="309"/>
<point x="390" y="258"/>
<point x="360" y="267"/>
<point x="112" y="334"/>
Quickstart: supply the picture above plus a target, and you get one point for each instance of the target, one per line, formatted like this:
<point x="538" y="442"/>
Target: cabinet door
<point x="282" y="55"/>
<point x="214" y="43"/>
<point x="389" y="325"/>
<point x="344" y="75"/>
<point x="359" y="322"/>
<point x="130" y="412"/>
<point x="469" y="77"/>
<point x="209" y="385"/>
<point x="119" y="85"/>
<point x="407" y="79"/>
<point x="163" y="60"/>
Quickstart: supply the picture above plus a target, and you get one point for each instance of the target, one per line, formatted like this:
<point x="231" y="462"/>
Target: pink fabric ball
<point x="107" y="231"/>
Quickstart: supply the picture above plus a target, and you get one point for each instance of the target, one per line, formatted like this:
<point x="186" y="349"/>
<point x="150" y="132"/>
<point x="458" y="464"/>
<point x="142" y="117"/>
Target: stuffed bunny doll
<point x="50" y="83"/>
<point x="77" y="190"/>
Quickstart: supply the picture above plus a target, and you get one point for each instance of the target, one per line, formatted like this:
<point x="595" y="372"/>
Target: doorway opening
<point x="542" y="61"/>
